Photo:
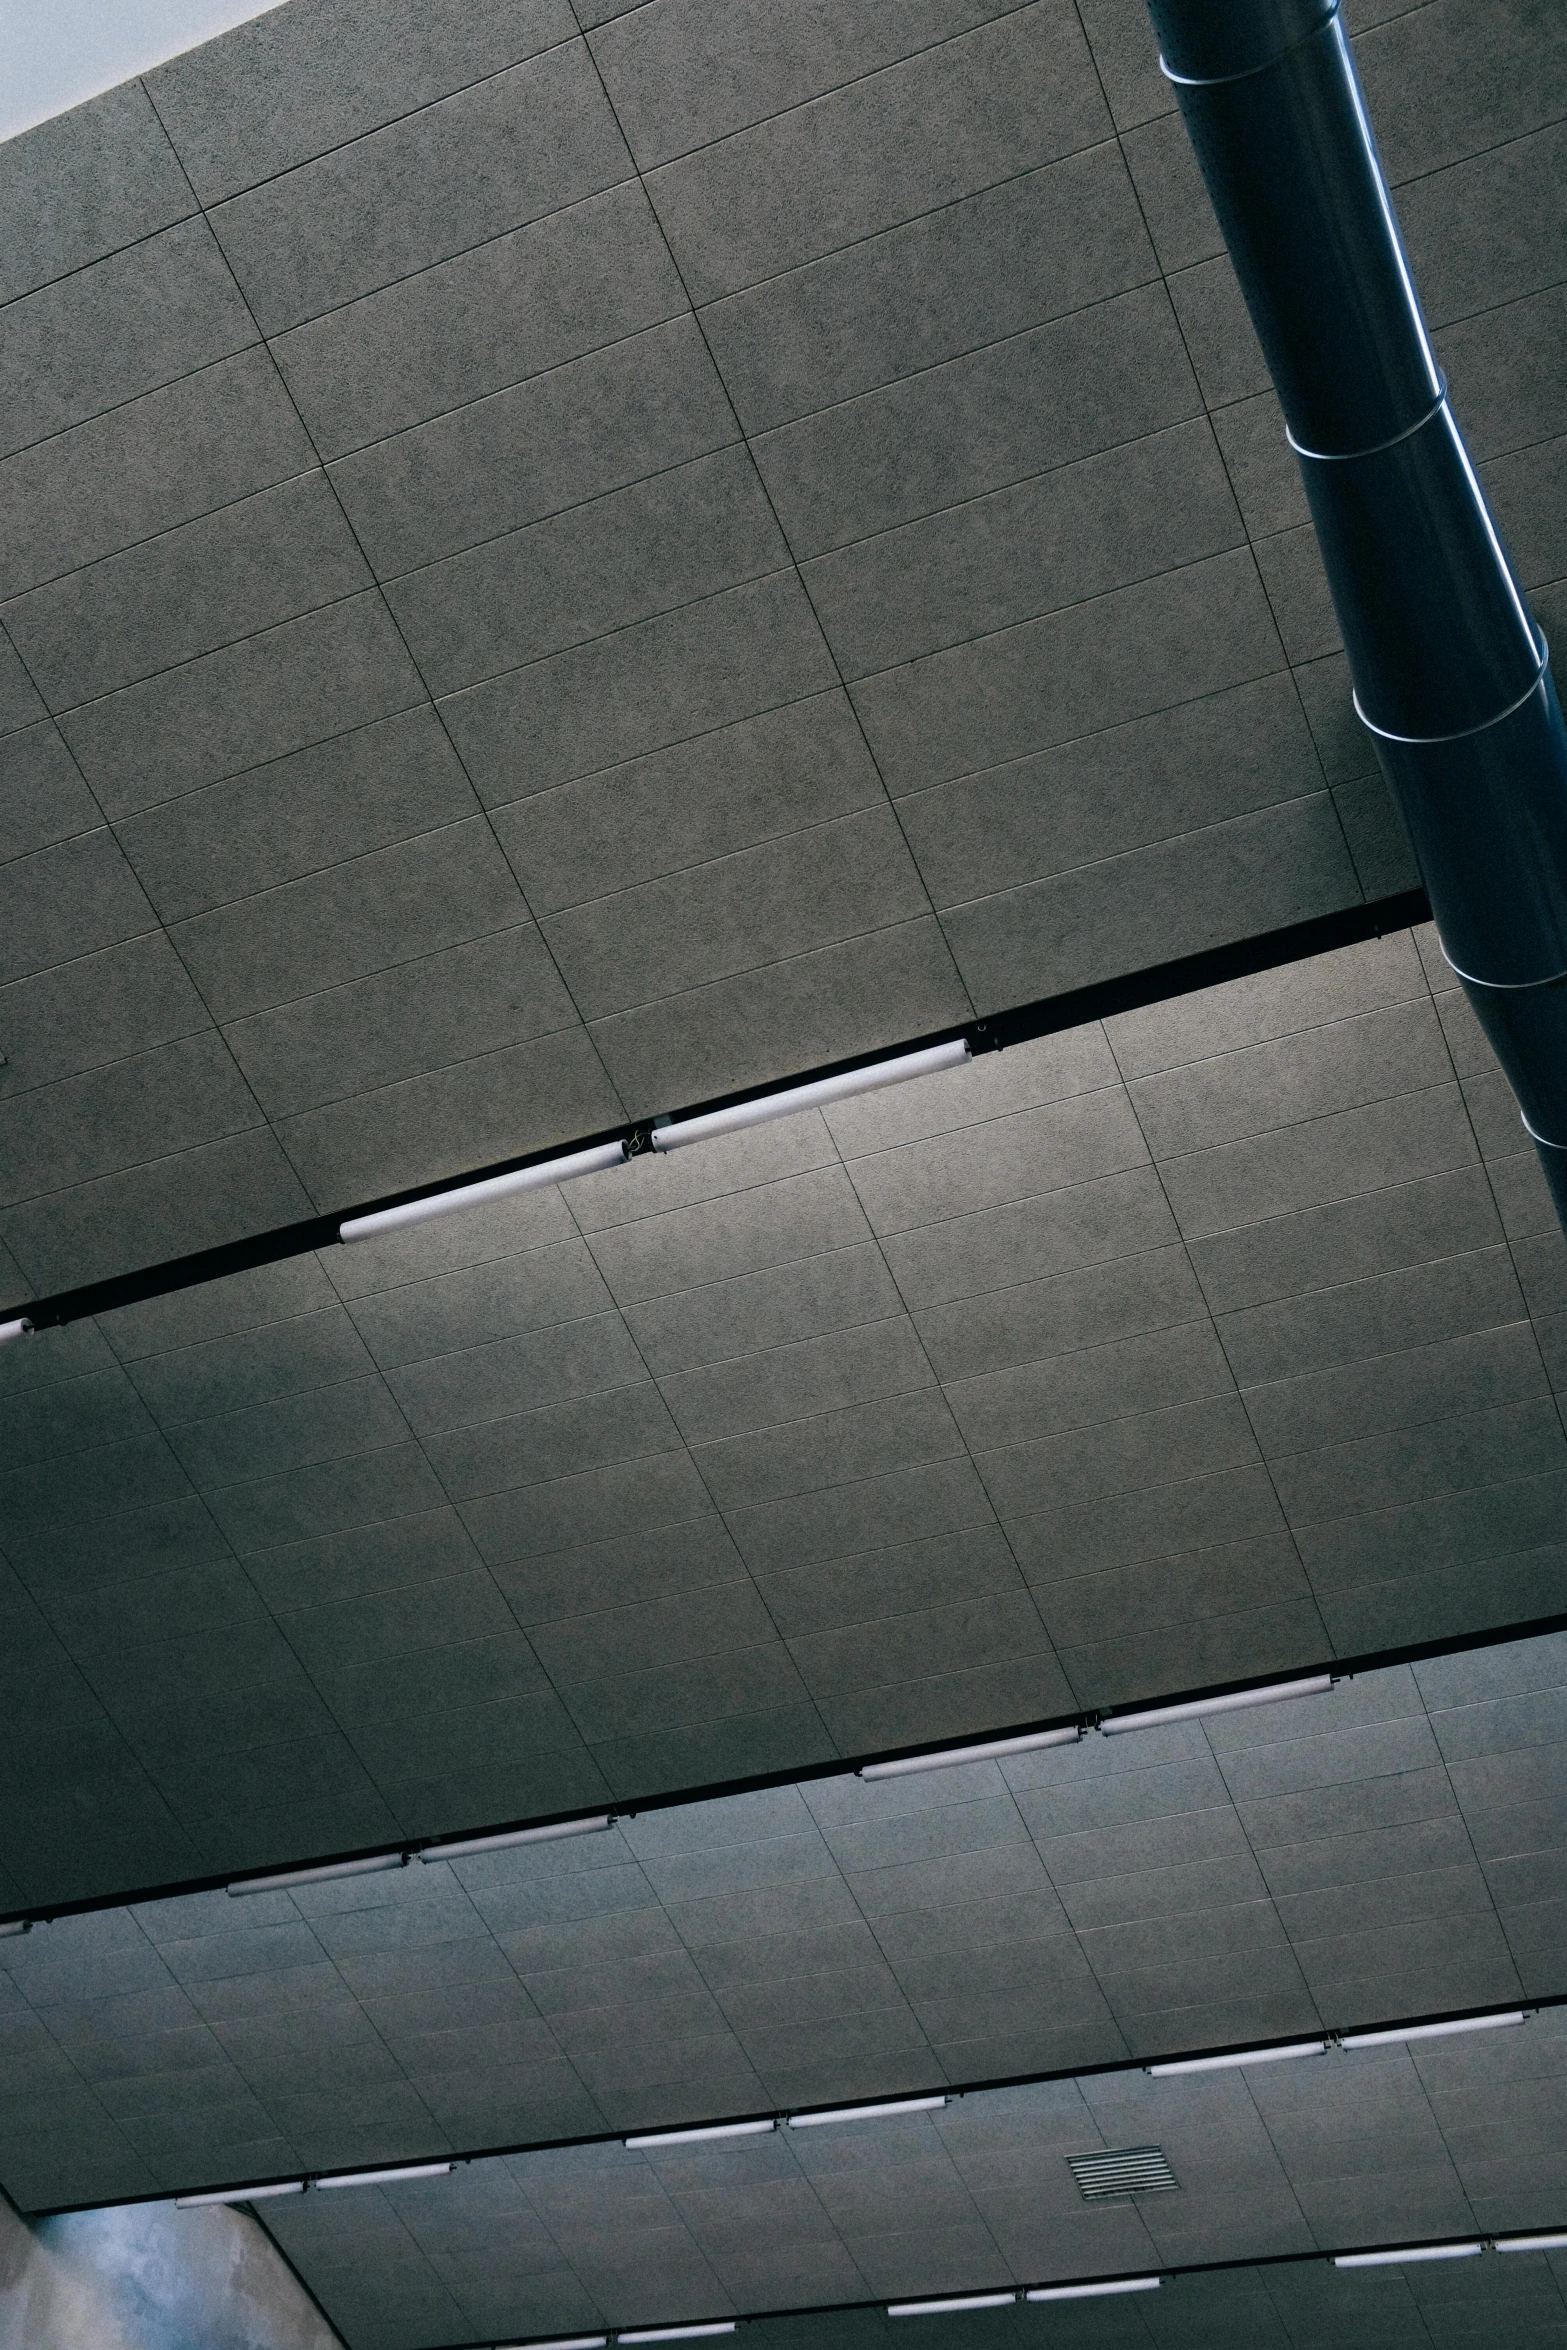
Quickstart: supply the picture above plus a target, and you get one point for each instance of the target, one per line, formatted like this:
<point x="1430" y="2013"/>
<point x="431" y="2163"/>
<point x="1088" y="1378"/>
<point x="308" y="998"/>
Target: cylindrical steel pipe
<point x="1451" y="675"/>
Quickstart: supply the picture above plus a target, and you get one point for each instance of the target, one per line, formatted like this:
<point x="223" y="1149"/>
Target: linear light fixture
<point x="674" y="1133"/>
<point x="472" y="1845"/>
<point x="479" y="1195"/>
<point x="697" y="2137"/>
<point x="993" y="1750"/>
<point x="1094" y="2292"/>
<point x="1409" y="2253"/>
<point x="387" y="2178"/>
<point x="16" y="1926"/>
<point x="678" y="2333"/>
<point x="1221" y="2064"/>
<point x="238" y="2195"/>
<point x="951" y="2308"/>
<point x="866" y="2113"/>
<point x="1400" y="2033"/>
<point x="577" y="2342"/>
<point x="1556" y="2243"/>
<point x="1154" y="1717"/>
<point x="323" y="1875"/>
<point x="20" y="1328"/>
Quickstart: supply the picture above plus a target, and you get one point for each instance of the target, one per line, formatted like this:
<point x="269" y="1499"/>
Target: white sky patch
<point x="55" y="53"/>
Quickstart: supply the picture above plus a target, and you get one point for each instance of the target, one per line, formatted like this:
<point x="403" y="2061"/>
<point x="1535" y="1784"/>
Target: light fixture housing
<point x="1094" y="2292"/>
<point x="697" y="2137"/>
<point x="1408" y="2254"/>
<point x="387" y="2178"/>
<point x="953" y="2307"/>
<point x="992" y="1750"/>
<point x="866" y="2113"/>
<point x="1224" y="2064"/>
<point x="479" y="1195"/>
<point x="1549" y="2243"/>
<point x="1397" y="2034"/>
<point x="284" y="1880"/>
<point x="1155" y="1717"/>
<point x="672" y="1134"/>
<point x="679" y="2333"/>
<point x="238" y="2195"/>
<point x="469" y="1847"/>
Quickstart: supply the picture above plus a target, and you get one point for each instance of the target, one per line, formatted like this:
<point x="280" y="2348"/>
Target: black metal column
<point x="1452" y="677"/>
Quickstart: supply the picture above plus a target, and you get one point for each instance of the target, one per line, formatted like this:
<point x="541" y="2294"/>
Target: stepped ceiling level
<point x="559" y="562"/>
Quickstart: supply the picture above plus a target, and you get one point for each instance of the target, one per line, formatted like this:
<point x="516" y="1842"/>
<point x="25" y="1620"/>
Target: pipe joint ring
<point x="1219" y="81"/>
<point x="1376" y="448"/>
<point x="1544" y="1141"/>
<point x="1498" y="986"/>
<point x="1462" y="733"/>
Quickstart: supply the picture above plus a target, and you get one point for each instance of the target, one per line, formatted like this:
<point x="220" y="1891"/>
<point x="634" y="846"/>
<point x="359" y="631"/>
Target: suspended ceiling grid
<point x="952" y="1407"/>
<point x="552" y="574"/>
<point x="1388" y="1850"/>
<point x="1357" y="2147"/>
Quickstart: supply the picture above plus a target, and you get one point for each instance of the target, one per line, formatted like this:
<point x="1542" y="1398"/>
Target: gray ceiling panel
<point x="1323" y="1864"/>
<point x="949" y="1408"/>
<point x="1275" y="2161"/>
<point x="483" y="328"/>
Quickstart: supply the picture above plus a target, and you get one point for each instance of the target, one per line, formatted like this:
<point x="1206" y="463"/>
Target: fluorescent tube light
<point x="948" y="2308"/>
<point x="865" y="2113"/>
<point x="1093" y="2292"/>
<point x="696" y="2137"/>
<point x="1155" y="1716"/>
<point x="677" y="2333"/>
<point x="319" y="1876"/>
<point x="387" y="2178"/>
<point x="1410" y="2253"/>
<point x="991" y="1751"/>
<point x="238" y="2195"/>
<point x="470" y="1845"/>
<point x="577" y="2342"/>
<point x="478" y="1195"/>
<point x="17" y="1926"/>
<point x="20" y="1328"/>
<point x="675" y="1133"/>
<point x="1467" y="2023"/>
<point x="1556" y="2243"/>
<point x="1221" y="2064"/>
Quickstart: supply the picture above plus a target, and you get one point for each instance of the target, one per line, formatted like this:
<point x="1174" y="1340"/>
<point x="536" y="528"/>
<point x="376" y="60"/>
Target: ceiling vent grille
<point x="1128" y="2170"/>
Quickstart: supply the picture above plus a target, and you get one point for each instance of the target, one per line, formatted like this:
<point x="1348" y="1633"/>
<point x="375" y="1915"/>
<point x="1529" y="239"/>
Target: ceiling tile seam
<point x="169" y="530"/>
<point x="135" y="938"/>
<point x="878" y="1240"/>
<point x="13" y="1240"/>
<point x="241" y="1563"/>
<point x="1277" y="2151"/>
<point x="1330" y="1646"/>
<point x="452" y="556"/>
<point x="1408" y="1093"/>
<point x="1418" y="994"/>
<point x="1138" y="848"/>
<point x="460" y="1060"/>
<point x="1218" y="447"/>
<point x="604" y="32"/>
<point x="787" y="544"/>
<point x="612" y="1089"/>
<point x="1458" y="163"/>
<point x="1003" y="487"/>
<point x="1483" y="1162"/>
<point x="354" y="138"/>
<point x="832" y="1744"/>
<point x="404" y="277"/>
<point x="81" y="269"/>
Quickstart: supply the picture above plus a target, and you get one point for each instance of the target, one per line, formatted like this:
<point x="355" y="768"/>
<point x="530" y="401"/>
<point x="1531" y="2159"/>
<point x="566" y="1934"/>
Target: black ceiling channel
<point x="952" y="2092"/>
<point x="1340" y="1668"/>
<point x="1271" y="950"/>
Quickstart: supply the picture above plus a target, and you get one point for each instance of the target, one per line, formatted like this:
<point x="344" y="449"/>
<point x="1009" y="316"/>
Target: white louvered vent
<point x="1129" y="2170"/>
